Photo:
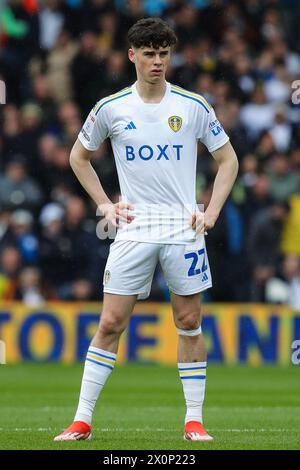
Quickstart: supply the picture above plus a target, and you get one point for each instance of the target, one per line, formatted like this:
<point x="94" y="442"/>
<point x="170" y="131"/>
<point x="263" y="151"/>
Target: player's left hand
<point x="209" y="220"/>
<point x="198" y="222"/>
<point x="201" y="222"/>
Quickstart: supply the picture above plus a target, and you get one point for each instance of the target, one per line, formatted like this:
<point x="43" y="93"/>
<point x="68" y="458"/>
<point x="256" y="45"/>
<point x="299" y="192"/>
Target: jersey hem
<point x="157" y="242"/>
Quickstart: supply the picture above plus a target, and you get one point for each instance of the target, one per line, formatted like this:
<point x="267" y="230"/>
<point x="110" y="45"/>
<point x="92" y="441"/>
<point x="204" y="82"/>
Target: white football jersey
<point x="155" y="149"/>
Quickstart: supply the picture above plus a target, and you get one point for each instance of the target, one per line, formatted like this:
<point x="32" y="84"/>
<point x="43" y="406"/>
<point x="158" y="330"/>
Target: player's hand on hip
<point x="201" y="222"/>
<point x="117" y="213"/>
<point x="209" y="220"/>
<point x="198" y="222"/>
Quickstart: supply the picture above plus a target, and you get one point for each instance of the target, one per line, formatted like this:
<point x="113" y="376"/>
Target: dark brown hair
<point x="151" y="32"/>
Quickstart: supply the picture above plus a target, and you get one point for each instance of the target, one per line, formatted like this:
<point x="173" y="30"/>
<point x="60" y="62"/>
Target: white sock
<point x="98" y="366"/>
<point x="193" y="378"/>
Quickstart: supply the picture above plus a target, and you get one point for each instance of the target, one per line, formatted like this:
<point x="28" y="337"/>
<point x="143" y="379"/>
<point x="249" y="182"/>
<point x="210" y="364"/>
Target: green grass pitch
<point x="142" y="407"/>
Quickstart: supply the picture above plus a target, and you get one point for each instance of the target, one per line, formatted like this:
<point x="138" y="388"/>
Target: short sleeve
<point x="95" y="129"/>
<point x="210" y="131"/>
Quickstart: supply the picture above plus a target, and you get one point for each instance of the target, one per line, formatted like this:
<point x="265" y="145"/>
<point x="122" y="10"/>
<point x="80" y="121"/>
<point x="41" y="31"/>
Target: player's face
<point x="151" y="64"/>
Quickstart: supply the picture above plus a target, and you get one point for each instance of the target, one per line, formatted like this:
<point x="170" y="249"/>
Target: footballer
<point x="154" y="127"/>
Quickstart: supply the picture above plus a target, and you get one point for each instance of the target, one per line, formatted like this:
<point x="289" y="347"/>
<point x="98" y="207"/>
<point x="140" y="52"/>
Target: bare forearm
<point x="88" y="178"/>
<point x="224" y="181"/>
<point x="225" y="177"/>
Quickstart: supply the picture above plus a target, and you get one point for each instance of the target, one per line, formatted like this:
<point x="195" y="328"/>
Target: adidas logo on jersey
<point x="130" y="126"/>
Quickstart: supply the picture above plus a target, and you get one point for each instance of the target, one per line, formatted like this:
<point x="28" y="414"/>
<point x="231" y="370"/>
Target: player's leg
<point x="191" y="361"/>
<point x="128" y="276"/>
<point x="115" y="316"/>
<point x="100" y="360"/>
<point x="102" y="353"/>
<point x="187" y="273"/>
<point x="187" y="318"/>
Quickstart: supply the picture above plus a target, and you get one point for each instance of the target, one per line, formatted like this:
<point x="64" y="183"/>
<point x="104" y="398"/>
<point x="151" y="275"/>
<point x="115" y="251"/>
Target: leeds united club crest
<point x="175" y="123"/>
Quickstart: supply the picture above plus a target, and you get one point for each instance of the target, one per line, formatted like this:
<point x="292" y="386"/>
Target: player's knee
<point x="111" y="325"/>
<point x="188" y="321"/>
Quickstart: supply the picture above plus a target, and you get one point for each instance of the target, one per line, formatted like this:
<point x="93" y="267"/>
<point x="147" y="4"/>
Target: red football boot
<point x="78" y="431"/>
<point x="194" y="431"/>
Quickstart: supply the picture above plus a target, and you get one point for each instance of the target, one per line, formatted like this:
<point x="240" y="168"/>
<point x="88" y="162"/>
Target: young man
<point x="154" y="127"/>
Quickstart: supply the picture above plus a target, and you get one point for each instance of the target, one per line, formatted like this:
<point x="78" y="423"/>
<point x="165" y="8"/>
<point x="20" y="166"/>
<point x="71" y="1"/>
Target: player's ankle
<point x="83" y="419"/>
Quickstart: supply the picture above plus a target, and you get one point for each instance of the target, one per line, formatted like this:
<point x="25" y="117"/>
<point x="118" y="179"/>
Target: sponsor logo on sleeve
<point x="107" y="276"/>
<point x="88" y="126"/>
<point x="85" y="134"/>
<point x="215" y="127"/>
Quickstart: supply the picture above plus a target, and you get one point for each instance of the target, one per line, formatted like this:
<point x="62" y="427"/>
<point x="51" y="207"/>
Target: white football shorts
<point x="131" y="264"/>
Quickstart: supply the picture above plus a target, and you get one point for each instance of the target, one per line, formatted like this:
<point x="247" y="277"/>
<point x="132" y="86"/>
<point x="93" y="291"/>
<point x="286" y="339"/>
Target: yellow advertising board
<point x="235" y="333"/>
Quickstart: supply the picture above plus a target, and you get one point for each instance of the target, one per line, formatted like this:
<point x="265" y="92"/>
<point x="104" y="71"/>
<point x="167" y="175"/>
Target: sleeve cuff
<point x="85" y="144"/>
<point x="218" y="145"/>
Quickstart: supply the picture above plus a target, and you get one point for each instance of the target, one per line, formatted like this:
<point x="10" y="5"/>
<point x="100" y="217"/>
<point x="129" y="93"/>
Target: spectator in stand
<point x="11" y="133"/>
<point x="17" y="189"/>
<point x="69" y="121"/>
<point x="290" y="244"/>
<point x="60" y="171"/>
<point x="58" y="67"/>
<point x="86" y="68"/>
<point x="22" y="229"/>
<point x="31" y="122"/>
<point x="283" y="182"/>
<point x="87" y="256"/>
<point x="6" y="236"/>
<point x="10" y="264"/>
<point x="291" y="271"/>
<point x="263" y="251"/>
<point x="54" y="246"/>
<point x="281" y="131"/>
<point x="30" y="289"/>
<point x="286" y="289"/>
<point x="44" y="97"/>
<point x="257" y="197"/>
<point x="190" y="68"/>
<point x="258" y="115"/>
<point x="115" y="76"/>
<point x="51" y="22"/>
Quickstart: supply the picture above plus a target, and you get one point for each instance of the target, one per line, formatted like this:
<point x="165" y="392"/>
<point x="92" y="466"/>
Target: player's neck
<point x="149" y="92"/>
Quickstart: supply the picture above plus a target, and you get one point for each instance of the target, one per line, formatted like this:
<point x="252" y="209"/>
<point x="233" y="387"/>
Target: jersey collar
<point x="153" y="105"/>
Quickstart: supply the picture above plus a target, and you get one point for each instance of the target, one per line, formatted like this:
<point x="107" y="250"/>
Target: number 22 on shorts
<point x="197" y="257"/>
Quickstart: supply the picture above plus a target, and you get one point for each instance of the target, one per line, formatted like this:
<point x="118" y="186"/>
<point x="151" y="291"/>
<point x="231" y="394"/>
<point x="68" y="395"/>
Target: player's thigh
<point x="116" y="311"/>
<point x="186" y="267"/>
<point x="186" y="310"/>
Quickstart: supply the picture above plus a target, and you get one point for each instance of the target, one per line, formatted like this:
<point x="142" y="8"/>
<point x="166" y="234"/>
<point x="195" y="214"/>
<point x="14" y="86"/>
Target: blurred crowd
<point x="58" y="58"/>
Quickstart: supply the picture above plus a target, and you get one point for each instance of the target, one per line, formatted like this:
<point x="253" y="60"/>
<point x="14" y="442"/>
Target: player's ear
<point x="131" y="55"/>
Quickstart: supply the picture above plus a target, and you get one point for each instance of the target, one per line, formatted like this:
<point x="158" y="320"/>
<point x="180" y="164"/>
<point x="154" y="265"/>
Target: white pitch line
<point x="237" y="409"/>
<point x="265" y="430"/>
<point x="252" y="408"/>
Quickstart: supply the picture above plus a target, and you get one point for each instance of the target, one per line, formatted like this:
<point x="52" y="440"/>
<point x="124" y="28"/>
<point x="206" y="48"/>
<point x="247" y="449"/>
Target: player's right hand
<point x="198" y="223"/>
<point x="117" y="213"/>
